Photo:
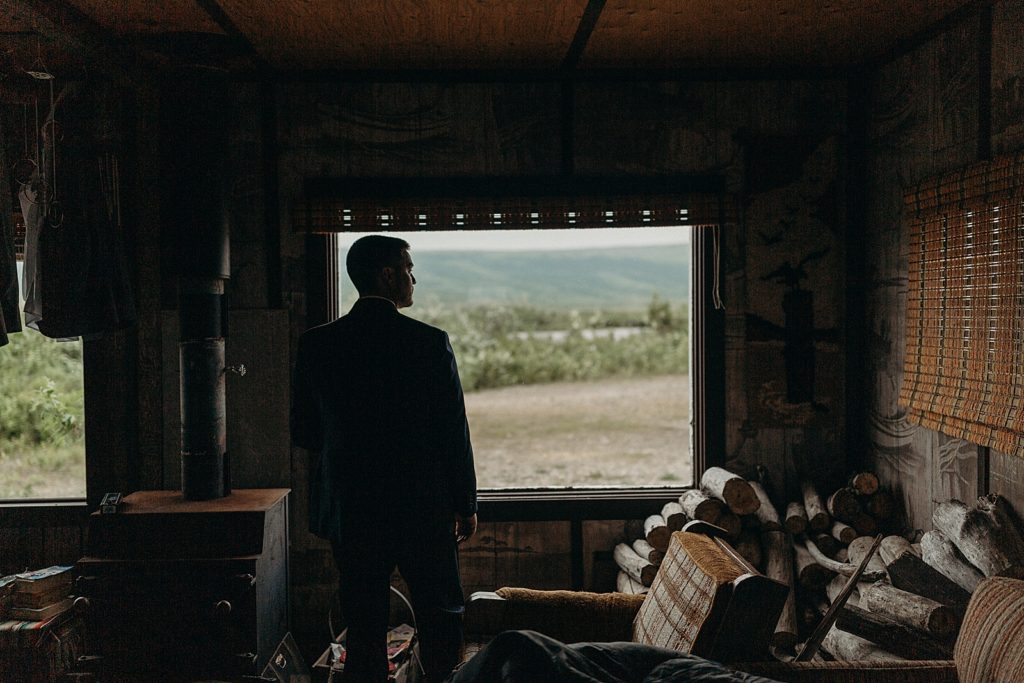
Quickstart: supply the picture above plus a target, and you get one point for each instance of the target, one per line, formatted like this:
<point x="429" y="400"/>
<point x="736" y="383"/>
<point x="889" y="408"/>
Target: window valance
<point x="390" y="205"/>
<point x="965" y="304"/>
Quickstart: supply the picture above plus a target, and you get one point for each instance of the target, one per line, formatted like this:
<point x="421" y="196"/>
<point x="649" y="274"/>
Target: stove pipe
<point x="196" y="107"/>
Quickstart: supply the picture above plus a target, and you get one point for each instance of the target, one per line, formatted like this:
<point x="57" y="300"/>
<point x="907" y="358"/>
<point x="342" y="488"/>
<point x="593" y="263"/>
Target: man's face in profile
<point x="403" y="281"/>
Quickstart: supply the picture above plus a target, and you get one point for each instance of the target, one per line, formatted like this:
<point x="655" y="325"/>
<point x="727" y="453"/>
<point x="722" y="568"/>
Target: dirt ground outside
<point x="616" y="432"/>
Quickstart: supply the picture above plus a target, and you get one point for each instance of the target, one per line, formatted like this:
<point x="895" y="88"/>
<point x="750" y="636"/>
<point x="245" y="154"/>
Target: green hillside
<point x="591" y="279"/>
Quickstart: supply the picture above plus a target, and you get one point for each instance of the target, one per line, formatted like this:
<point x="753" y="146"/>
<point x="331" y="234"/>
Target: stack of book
<point x="40" y="595"/>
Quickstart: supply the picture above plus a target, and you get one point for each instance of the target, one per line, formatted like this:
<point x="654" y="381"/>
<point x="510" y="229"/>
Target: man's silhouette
<point x="377" y="398"/>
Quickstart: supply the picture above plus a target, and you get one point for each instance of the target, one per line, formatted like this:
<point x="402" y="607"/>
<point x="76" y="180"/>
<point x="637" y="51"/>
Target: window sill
<point x="43" y="512"/>
<point x="569" y="504"/>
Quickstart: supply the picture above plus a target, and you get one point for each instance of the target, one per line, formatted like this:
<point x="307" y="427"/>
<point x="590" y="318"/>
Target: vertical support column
<point x="196" y="126"/>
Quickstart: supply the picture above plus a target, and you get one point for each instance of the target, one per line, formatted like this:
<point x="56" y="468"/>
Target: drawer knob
<point x="81" y="604"/>
<point x="222" y="608"/>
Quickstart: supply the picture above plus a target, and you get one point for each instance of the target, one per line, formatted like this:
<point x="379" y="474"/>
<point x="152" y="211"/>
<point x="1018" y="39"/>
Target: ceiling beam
<point x="586" y="27"/>
<point x="221" y="18"/>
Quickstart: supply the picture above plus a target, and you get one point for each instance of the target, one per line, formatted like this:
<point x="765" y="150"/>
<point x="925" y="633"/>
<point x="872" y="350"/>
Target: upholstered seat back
<point x="705" y="600"/>
<point x="990" y="646"/>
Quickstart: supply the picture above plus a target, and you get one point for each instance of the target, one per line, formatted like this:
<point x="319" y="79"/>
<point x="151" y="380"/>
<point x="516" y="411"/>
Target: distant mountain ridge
<point x="619" y="278"/>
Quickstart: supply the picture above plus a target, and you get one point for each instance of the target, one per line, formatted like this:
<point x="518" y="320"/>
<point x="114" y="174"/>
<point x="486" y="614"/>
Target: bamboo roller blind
<point x="965" y="304"/>
<point x="344" y="212"/>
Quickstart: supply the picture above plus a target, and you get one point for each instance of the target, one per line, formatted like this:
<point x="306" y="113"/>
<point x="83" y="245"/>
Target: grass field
<point x="616" y="432"/>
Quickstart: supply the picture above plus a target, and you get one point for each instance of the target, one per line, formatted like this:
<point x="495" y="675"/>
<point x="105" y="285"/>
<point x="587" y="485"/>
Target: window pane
<point x="42" y="425"/>
<point x="572" y="347"/>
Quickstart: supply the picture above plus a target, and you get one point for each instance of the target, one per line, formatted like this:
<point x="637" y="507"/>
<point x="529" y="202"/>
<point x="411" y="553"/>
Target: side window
<point x="42" y="429"/>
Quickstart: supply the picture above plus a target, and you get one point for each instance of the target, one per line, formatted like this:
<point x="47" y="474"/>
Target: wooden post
<point x="735" y="491"/>
<point x="638" y="569"/>
<point x="899" y="638"/>
<point x="843" y="533"/>
<point x="843" y="504"/>
<point x="698" y="505"/>
<point x="939" y="552"/>
<point x="624" y="584"/>
<point x="986" y="535"/>
<point x="656" y="532"/>
<point x="913" y="610"/>
<point x="767" y="514"/>
<point x="865" y="483"/>
<point x="817" y="516"/>
<point x="796" y="518"/>
<point x="674" y="516"/>
<point x="647" y="551"/>
<point x="778" y="550"/>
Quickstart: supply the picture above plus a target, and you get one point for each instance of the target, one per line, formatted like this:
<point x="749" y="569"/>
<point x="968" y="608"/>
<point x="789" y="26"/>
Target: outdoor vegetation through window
<point x="572" y="347"/>
<point x="42" y="435"/>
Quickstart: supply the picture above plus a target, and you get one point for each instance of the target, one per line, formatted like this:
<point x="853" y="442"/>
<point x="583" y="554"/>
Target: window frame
<point x="707" y="366"/>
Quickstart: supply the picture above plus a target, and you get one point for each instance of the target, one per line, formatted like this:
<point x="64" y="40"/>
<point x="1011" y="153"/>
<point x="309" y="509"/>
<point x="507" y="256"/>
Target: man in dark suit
<point x="377" y="399"/>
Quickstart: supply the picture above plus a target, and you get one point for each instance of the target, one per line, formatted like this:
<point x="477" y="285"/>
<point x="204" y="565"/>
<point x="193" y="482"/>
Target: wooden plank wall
<point x="929" y="113"/>
<point x="779" y="145"/>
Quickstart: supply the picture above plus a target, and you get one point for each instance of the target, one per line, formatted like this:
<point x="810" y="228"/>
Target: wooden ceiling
<point x="410" y="35"/>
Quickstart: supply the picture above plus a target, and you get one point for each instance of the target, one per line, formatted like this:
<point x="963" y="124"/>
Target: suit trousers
<point x="427" y="557"/>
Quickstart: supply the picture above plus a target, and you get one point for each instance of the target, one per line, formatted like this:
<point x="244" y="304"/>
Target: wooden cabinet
<point x="179" y="590"/>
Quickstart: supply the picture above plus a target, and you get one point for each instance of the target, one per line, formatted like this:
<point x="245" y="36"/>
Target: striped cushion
<point x="991" y="643"/>
<point x="688" y="586"/>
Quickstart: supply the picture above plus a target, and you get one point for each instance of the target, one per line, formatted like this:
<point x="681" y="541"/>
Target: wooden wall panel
<point x="924" y="120"/>
<point x="527" y="554"/>
<point x="1007" y="76"/>
<point x="1007" y="479"/>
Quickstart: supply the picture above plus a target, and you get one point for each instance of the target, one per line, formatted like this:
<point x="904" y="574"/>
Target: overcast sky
<point x="532" y="240"/>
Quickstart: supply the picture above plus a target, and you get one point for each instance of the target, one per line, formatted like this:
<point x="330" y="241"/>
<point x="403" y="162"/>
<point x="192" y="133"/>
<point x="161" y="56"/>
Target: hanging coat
<point x="10" y="318"/>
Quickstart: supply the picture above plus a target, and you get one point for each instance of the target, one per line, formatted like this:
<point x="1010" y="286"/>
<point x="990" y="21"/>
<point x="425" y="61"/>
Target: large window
<point x="42" y="438"/>
<point x="572" y="347"/>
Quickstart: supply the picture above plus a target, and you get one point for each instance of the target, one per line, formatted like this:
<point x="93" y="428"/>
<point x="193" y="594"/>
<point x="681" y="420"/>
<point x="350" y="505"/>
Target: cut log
<point x="939" y="552"/>
<point x="846" y="569"/>
<point x="796" y="518"/>
<point x="625" y="584"/>
<point x="648" y="551"/>
<point x="842" y="555"/>
<point x="750" y="522"/>
<point x="919" y="612"/>
<point x="699" y="505"/>
<point x="900" y="639"/>
<point x="766" y="514"/>
<point x="843" y="504"/>
<point x="656" y="532"/>
<point x="858" y="548"/>
<point x="732" y="523"/>
<point x="910" y="573"/>
<point x="865" y="483"/>
<point x="865" y="524"/>
<point x="843" y="533"/>
<point x="826" y="543"/>
<point x="778" y="551"/>
<point x="892" y="547"/>
<point x="986" y="535"/>
<point x="638" y="569"/>
<point x="881" y="505"/>
<point x="809" y="573"/>
<point x="835" y="587"/>
<point x="735" y="491"/>
<point x="817" y="515"/>
<point x="674" y="516"/>
<point x="847" y="647"/>
<point x="748" y="544"/>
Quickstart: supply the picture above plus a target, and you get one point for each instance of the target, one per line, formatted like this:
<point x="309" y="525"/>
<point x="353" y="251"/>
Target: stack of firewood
<point x="908" y="603"/>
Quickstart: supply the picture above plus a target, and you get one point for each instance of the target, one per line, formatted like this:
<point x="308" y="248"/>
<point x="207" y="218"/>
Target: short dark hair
<point x="369" y="255"/>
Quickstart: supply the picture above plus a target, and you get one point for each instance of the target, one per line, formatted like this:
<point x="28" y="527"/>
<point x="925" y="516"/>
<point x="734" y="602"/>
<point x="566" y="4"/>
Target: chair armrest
<point x="922" y="671"/>
<point x="568" y="616"/>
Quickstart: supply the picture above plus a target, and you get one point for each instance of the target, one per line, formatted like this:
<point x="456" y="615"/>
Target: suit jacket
<point x="377" y="397"/>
